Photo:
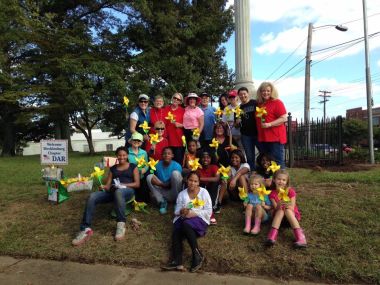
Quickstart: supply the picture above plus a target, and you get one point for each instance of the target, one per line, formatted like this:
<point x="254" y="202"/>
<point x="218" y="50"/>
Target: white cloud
<point x="378" y="63"/>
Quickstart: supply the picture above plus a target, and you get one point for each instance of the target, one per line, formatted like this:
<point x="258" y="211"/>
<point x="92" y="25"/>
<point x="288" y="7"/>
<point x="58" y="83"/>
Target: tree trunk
<point x="9" y="141"/>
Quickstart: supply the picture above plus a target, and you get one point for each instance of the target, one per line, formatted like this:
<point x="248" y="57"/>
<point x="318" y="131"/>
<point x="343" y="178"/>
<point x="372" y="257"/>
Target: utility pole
<point x="306" y="116"/>
<point x="324" y="101"/>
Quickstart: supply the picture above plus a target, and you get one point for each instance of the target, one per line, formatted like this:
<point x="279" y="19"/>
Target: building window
<point x="109" y="147"/>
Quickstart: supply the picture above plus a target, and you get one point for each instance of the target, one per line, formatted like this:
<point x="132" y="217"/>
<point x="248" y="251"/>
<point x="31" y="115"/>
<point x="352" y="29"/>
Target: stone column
<point x="243" y="64"/>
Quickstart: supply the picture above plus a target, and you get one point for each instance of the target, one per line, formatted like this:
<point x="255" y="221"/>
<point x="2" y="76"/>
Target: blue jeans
<point x="249" y="144"/>
<point x="101" y="197"/>
<point x="275" y="149"/>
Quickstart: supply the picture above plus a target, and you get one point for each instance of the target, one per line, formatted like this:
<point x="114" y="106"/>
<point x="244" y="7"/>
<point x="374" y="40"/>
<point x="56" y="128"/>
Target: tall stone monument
<point x="243" y="64"/>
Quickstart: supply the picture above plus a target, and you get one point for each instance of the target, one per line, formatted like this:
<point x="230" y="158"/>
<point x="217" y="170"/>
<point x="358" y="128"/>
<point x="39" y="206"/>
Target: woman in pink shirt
<point x="193" y="117"/>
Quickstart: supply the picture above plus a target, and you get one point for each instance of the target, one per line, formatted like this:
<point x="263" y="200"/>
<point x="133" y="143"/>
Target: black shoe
<point x="173" y="266"/>
<point x="217" y="208"/>
<point x="197" y="261"/>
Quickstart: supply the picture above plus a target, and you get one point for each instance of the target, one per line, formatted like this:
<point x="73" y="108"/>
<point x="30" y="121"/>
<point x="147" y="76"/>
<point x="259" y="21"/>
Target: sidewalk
<point x="40" y="272"/>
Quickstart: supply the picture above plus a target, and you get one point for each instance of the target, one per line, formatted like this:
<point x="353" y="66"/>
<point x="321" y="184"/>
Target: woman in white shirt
<point x="192" y="217"/>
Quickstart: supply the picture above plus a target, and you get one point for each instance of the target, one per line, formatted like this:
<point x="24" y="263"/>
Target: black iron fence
<point x="320" y="142"/>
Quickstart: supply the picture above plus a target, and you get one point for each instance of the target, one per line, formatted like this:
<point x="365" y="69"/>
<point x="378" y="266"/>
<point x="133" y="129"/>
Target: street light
<point x="368" y="87"/>
<point x="307" y="76"/>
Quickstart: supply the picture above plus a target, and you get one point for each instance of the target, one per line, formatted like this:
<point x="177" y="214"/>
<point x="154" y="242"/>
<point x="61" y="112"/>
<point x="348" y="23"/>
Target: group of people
<point x="201" y="155"/>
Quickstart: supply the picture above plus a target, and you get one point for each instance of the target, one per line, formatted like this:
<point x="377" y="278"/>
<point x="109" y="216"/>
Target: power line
<point x="294" y="66"/>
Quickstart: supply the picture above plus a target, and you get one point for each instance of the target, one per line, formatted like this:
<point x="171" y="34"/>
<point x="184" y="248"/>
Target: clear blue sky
<point x="278" y="36"/>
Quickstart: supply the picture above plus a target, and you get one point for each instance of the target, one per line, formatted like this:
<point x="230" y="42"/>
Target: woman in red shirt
<point x="271" y="125"/>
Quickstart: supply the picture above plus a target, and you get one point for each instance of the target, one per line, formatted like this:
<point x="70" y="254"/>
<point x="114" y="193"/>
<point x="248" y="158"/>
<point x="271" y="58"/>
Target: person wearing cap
<point x="248" y="127"/>
<point x="271" y="127"/>
<point x="209" y="119"/>
<point x="140" y="114"/>
<point x="136" y="152"/>
<point x="230" y="119"/>
<point x="174" y="128"/>
<point x="193" y="117"/>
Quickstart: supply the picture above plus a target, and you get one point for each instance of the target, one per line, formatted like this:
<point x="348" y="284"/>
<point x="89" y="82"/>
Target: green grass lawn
<point x="340" y="215"/>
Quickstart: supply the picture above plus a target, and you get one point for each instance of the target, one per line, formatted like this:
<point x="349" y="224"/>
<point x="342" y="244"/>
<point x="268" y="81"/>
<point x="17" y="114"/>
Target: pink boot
<point x="256" y="228"/>
<point x="248" y="220"/>
<point x="272" y="236"/>
<point x="300" y="238"/>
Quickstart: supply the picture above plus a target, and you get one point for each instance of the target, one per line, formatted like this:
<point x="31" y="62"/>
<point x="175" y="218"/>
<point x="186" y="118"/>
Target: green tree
<point x="354" y="131"/>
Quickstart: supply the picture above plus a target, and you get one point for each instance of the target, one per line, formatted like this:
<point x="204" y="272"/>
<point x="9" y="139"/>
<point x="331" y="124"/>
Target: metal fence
<point x="318" y="143"/>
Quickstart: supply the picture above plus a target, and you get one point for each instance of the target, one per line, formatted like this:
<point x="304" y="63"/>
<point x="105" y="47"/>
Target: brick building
<point x="359" y="113"/>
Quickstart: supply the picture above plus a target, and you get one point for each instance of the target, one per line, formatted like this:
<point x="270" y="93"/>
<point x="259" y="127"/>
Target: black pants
<point x="178" y="152"/>
<point x="142" y="194"/>
<point x="178" y="236"/>
<point x="213" y="190"/>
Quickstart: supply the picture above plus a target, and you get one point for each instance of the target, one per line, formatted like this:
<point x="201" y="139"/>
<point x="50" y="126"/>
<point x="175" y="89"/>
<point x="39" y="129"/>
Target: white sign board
<point x="54" y="152"/>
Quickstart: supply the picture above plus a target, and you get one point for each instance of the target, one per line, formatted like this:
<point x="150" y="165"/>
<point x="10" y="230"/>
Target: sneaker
<point x="213" y="220"/>
<point x="197" y="262"/>
<point x="82" y="237"/>
<point x="173" y="266"/>
<point x="120" y="231"/>
<point x="163" y="207"/>
<point x="217" y="208"/>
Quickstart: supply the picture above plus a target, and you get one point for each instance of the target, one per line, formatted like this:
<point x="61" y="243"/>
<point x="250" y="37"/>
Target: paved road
<point x="39" y="272"/>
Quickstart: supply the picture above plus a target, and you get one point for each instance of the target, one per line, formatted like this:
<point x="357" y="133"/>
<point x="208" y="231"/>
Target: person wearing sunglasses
<point x="154" y="150"/>
<point x="140" y="114"/>
<point x="174" y="128"/>
<point x="157" y="112"/>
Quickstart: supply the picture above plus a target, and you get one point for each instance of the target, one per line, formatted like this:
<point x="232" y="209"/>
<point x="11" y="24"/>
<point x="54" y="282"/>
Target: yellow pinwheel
<point x="197" y="202"/>
<point x="243" y="194"/>
<point x="218" y="112"/>
<point x="139" y="206"/>
<point x="145" y="127"/>
<point x="196" y="133"/>
<point x="261" y="112"/>
<point x="194" y="164"/>
<point x="273" y="167"/>
<point x="224" y="171"/>
<point x="214" y="143"/>
<point x="97" y="172"/>
<point x="170" y="117"/>
<point x="228" y="111"/>
<point x="283" y="194"/>
<point x="184" y="141"/>
<point x="152" y="164"/>
<point x="238" y="112"/>
<point x="126" y="101"/>
<point x="141" y="162"/>
<point x="262" y="192"/>
<point x="154" y="138"/>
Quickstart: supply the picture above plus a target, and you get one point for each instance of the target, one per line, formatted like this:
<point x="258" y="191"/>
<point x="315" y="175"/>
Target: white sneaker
<point x="82" y="237"/>
<point x="120" y="231"/>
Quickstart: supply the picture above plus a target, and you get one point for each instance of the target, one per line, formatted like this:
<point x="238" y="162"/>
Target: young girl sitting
<point x="263" y="161"/>
<point x="283" y="199"/>
<point x="191" y="154"/>
<point x="239" y="174"/>
<point x="192" y="217"/>
<point x="258" y="201"/>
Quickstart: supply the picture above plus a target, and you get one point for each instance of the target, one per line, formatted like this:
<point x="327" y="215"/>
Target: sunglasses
<point x="145" y="102"/>
<point x="160" y="129"/>
<point x="176" y="98"/>
<point x="136" y="141"/>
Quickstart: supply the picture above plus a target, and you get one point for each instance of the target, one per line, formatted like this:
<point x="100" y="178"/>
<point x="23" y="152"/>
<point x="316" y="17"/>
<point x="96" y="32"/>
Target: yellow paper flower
<point x="139" y="206"/>
<point x="194" y="164"/>
<point x="218" y="112"/>
<point x="154" y="138"/>
<point x="242" y="193"/>
<point x="197" y="202"/>
<point x="273" y="167"/>
<point x="196" y="132"/>
<point x="224" y="171"/>
<point x="170" y="117"/>
<point x="97" y="173"/>
<point x="145" y="127"/>
<point x="214" y="143"/>
<point x="228" y="111"/>
<point x="261" y="192"/>
<point x="141" y="162"/>
<point x="283" y="194"/>
<point x="261" y="112"/>
<point x="152" y="163"/>
<point x="238" y="112"/>
<point x="184" y="141"/>
<point x="126" y="101"/>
